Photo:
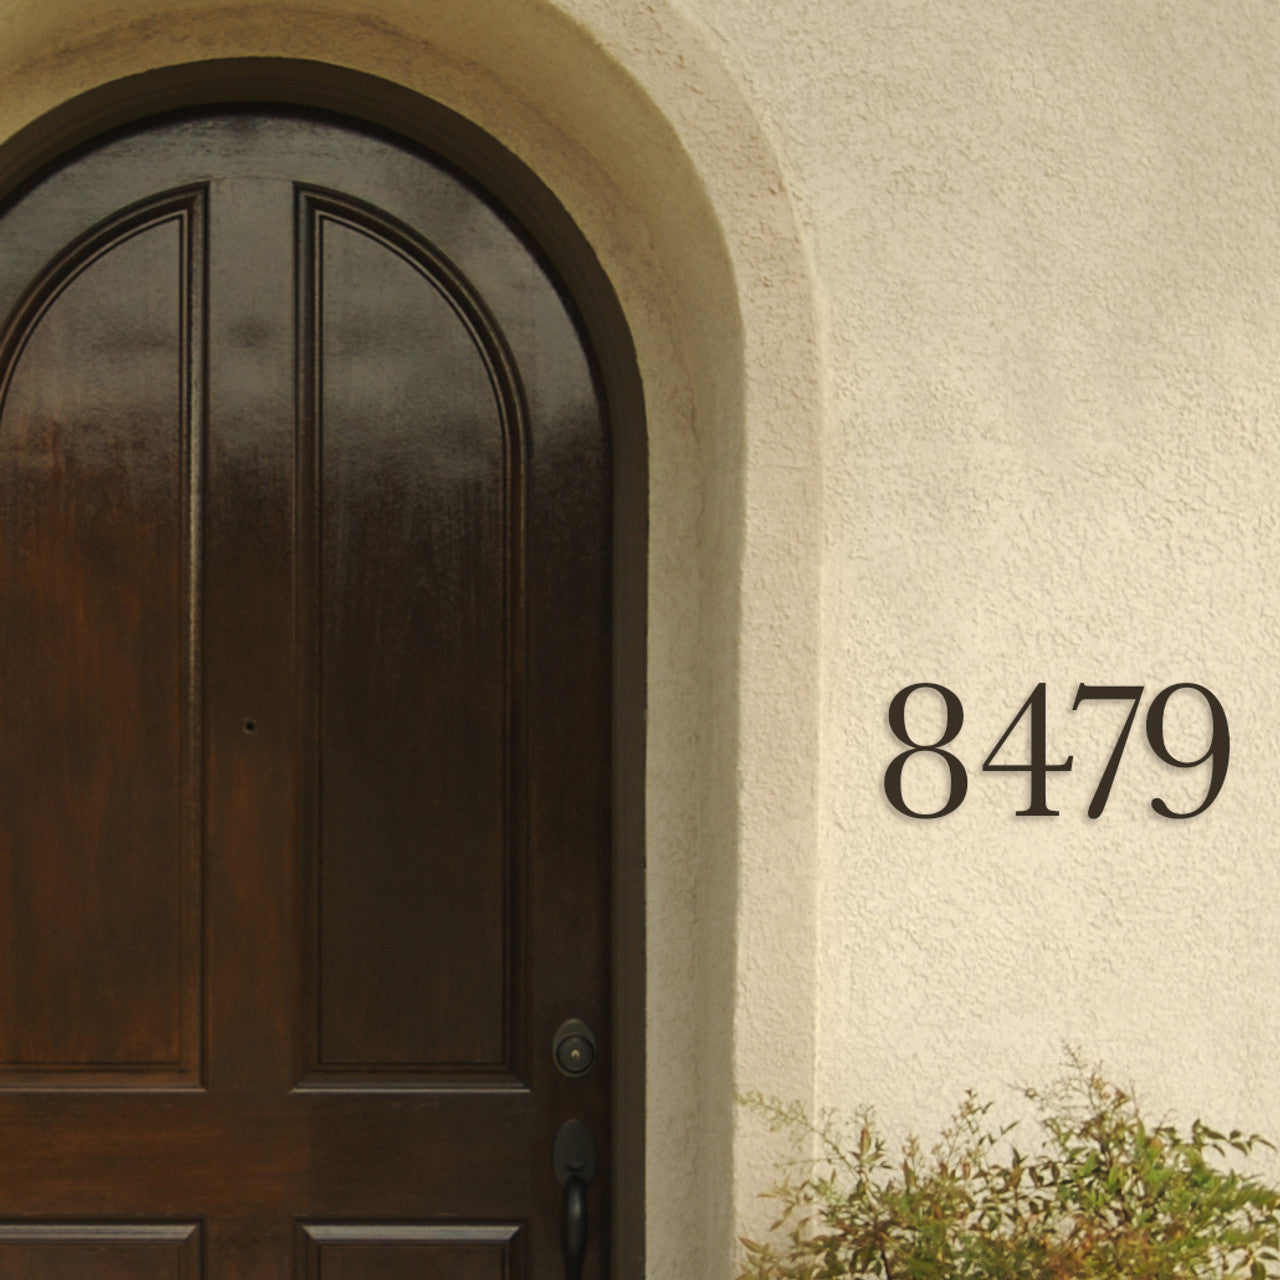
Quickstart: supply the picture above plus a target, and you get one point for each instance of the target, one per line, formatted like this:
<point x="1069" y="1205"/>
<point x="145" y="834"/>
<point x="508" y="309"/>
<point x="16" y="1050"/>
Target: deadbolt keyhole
<point x="574" y="1048"/>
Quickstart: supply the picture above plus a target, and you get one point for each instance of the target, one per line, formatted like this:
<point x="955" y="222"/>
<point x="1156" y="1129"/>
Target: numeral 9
<point x="1219" y="751"/>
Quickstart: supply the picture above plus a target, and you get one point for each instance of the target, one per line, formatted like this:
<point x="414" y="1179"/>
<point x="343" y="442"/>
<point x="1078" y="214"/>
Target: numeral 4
<point x="1037" y="806"/>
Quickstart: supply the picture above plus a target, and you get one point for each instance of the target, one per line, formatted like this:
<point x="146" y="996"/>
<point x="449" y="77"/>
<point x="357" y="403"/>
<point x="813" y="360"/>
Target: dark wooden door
<point x="304" y="718"/>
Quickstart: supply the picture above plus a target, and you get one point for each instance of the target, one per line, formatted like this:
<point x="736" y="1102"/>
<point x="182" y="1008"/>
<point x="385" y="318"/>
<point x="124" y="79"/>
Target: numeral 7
<point x="1115" y="693"/>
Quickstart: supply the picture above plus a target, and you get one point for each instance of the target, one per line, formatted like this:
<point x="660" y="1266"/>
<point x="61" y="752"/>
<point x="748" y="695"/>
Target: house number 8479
<point x="1038" y="767"/>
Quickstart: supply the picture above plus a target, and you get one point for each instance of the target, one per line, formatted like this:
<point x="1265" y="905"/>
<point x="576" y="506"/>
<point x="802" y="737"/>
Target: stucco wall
<point x="1046" y="241"/>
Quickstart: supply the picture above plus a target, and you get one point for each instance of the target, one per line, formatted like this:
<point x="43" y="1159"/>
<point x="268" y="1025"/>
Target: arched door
<point x="305" y="746"/>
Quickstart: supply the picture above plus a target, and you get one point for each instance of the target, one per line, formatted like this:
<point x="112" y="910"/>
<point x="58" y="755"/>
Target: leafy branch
<point x="1103" y="1196"/>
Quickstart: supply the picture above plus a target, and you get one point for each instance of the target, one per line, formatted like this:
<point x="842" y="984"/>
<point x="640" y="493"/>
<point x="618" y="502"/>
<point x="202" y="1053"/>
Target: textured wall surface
<point x="957" y="321"/>
<point x="1046" y="247"/>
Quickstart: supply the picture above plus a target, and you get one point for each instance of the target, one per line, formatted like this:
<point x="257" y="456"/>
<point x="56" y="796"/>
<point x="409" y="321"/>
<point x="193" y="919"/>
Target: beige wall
<point x="1046" y="241"/>
<point x="957" y="325"/>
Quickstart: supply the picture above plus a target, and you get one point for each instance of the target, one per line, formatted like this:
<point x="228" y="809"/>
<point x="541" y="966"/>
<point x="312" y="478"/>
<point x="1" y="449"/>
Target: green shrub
<point x="1101" y="1194"/>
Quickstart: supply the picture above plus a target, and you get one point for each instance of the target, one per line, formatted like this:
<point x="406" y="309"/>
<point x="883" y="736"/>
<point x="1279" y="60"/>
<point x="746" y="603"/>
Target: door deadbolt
<point x="574" y="1048"/>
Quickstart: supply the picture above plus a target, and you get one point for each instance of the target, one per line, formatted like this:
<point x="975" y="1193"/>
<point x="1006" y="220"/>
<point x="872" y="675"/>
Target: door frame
<point x="481" y="159"/>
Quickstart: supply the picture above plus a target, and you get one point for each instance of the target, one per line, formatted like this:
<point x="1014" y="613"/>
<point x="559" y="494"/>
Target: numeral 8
<point x="898" y="723"/>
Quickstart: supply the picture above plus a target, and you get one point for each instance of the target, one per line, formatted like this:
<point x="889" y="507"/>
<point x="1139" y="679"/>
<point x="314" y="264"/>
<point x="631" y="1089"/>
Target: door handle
<point x="575" y="1227"/>
<point x="574" y="1160"/>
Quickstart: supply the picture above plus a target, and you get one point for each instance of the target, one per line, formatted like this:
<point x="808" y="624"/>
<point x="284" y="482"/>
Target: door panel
<point x="304" y="716"/>
<point x="417" y="440"/>
<point x="99" y="870"/>
<point x="479" y="1252"/>
<point x="144" y="1252"/>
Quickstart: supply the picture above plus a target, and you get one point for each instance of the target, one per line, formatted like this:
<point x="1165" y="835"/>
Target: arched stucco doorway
<point x="635" y="124"/>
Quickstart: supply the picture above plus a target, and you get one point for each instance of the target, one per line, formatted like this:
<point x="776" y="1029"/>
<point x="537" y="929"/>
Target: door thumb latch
<point x="574" y="1160"/>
